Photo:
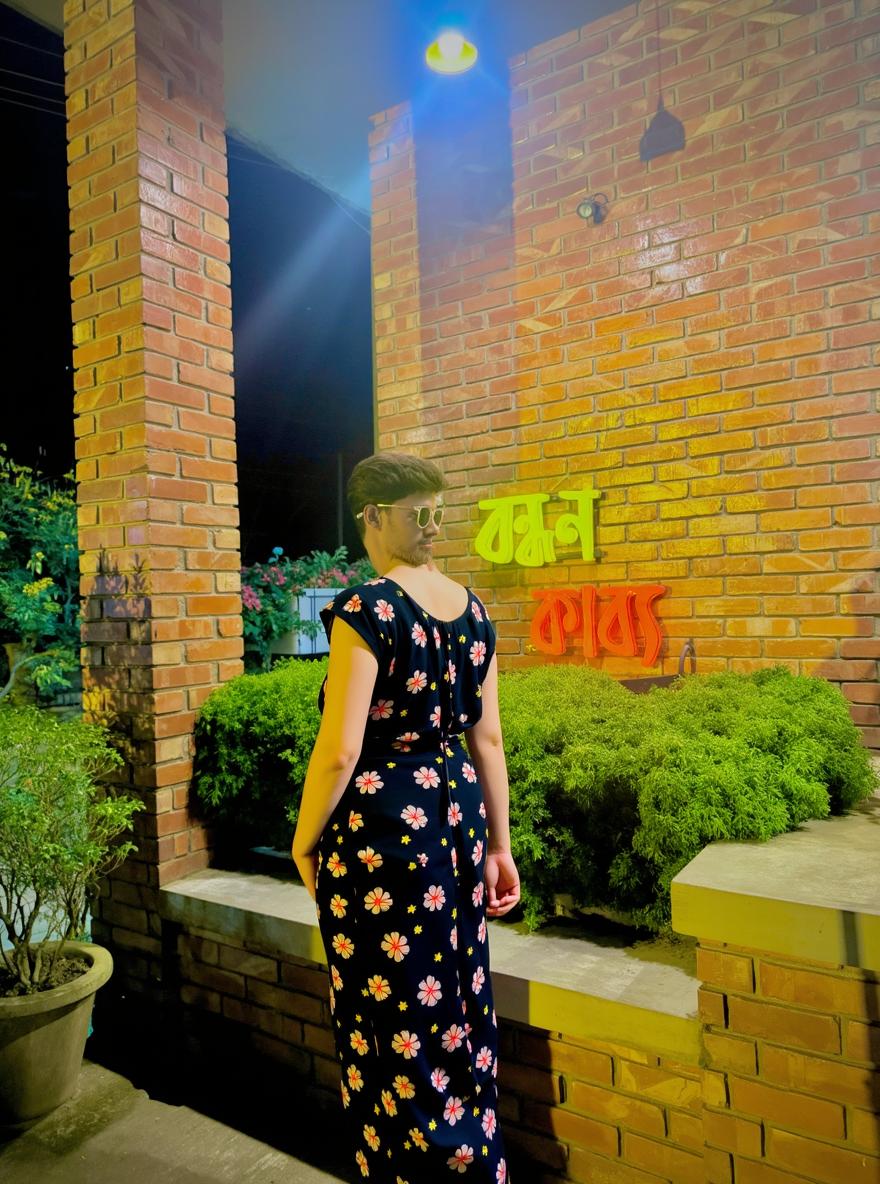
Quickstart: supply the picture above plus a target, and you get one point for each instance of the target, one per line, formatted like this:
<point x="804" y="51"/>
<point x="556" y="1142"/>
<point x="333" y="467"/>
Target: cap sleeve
<point x="483" y="628"/>
<point x="368" y="612"/>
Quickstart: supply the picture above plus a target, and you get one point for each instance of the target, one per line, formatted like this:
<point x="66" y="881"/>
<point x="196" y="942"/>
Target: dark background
<point x="301" y="314"/>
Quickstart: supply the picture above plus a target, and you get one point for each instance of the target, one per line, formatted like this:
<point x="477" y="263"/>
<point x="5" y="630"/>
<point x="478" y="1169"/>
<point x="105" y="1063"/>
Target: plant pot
<point x="42" y="1040"/>
<point x="308" y="604"/>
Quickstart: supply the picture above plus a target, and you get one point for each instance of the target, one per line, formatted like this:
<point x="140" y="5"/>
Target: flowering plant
<point x="268" y="592"/>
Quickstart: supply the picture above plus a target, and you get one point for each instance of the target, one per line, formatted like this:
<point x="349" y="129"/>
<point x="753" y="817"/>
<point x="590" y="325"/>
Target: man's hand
<point x="502" y="883"/>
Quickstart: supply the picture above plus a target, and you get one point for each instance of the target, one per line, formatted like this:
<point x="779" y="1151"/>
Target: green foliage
<point x="269" y="589"/>
<point x="39" y="576"/>
<point x="611" y="793"/>
<point x="60" y="834"/>
<point x="254" y="737"/>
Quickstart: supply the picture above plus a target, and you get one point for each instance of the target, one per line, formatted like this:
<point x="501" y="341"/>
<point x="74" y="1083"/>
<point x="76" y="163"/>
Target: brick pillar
<point x="154" y="415"/>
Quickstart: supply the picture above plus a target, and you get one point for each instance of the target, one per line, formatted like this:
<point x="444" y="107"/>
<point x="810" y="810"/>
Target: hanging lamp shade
<point x="451" y="53"/>
<point x="663" y="134"/>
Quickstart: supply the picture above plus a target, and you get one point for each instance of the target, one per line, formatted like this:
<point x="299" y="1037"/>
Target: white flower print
<point x="469" y="772"/>
<point x="414" y="816"/>
<point x="477" y="895"/>
<point x="377" y="900"/>
<point x="391" y="666"/>
<point x="417" y="682"/>
<point x="451" y="666"/>
<point x="481" y="931"/>
<point x="477" y="853"/>
<point x="454" y="815"/>
<point x="426" y="777"/>
<point x="453" y="937"/>
<point x="439" y="1080"/>
<point x="452" y="1038"/>
<point x="406" y="1043"/>
<point x="371" y="859"/>
<point x="489" y="1123"/>
<point x="369" y="782"/>
<point x="501" y="1172"/>
<point x="422" y="858"/>
<point x="463" y="1156"/>
<point x="453" y="1110"/>
<point x="463" y="717"/>
<point x="435" y="898"/>
<point x="384" y="611"/>
<point x="436" y="716"/>
<point x="454" y="857"/>
<point x="484" y="1058"/>
<point x="403" y="741"/>
<point x="478" y="981"/>
<point x="353" y="605"/>
<point x="437" y="641"/>
<point x="419" y="635"/>
<point x="482" y="809"/>
<point x="478" y="653"/>
<point x="475" y="609"/>
<point x="382" y="709"/>
<point x="429" y="991"/>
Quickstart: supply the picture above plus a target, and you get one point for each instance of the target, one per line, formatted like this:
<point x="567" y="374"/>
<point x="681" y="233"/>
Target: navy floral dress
<point x="401" y="903"/>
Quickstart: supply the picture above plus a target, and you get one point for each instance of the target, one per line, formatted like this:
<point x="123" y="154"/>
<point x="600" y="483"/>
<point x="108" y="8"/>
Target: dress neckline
<point x="415" y="603"/>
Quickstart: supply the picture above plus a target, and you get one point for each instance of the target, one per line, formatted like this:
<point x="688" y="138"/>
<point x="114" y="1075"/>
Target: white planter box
<point x="309" y="604"/>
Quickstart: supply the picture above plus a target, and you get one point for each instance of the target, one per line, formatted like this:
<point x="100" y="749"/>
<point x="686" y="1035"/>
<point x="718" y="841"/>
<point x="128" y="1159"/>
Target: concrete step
<point x="111" y="1133"/>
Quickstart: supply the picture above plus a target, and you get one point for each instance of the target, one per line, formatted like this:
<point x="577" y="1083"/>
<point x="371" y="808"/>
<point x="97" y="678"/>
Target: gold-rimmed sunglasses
<point x="423" y="514"/>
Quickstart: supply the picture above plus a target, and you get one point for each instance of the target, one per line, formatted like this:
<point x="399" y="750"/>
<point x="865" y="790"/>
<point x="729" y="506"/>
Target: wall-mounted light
<point x="594" y="208"/>
<point x="451" y="53"/>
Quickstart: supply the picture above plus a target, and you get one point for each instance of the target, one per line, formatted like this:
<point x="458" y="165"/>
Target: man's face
<point x="407" y="542"/>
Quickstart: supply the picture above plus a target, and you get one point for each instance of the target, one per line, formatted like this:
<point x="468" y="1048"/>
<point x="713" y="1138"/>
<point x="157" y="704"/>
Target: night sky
<point x="301" y="314"/>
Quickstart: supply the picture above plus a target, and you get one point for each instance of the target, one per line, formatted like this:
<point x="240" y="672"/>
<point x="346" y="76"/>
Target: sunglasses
<point x="423" y="514"/>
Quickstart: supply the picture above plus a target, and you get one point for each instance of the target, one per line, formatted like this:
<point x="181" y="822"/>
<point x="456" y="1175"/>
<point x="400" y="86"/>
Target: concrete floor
<point x="109" y="1132"/>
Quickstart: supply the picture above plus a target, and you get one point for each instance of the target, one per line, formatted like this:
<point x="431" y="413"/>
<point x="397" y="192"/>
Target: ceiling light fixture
<point x="451" y="53"/>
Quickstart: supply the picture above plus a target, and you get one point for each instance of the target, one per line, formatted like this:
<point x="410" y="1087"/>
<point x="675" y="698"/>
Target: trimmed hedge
<point x="612" y="793"/>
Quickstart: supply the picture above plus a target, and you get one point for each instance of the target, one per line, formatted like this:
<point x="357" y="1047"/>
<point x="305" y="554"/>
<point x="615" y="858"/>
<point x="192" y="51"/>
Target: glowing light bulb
<point x="451" y="53"/>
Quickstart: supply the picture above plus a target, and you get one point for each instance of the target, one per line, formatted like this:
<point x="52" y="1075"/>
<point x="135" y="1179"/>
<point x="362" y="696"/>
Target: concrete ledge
<point x="550" y="980"/>
<point x="812" y="894"/>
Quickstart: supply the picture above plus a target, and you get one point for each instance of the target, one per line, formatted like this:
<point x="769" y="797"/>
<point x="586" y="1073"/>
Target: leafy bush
<point x="254" y="737"/>
<point x="629" y="788"/>
<point x="612" y="793"/>
<point x="39" y="576"/>
<point x="60" y="834"/>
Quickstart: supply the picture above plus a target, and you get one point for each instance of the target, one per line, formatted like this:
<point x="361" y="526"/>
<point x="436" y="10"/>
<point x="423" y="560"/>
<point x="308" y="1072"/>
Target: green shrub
<point x="254" y="736"/>
<point x="611" y="793"/>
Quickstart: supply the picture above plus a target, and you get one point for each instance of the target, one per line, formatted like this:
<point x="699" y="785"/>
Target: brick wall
<point x="154" y="417"/>
<point x="706" y="357"/>
<point x="796" y="1045"/>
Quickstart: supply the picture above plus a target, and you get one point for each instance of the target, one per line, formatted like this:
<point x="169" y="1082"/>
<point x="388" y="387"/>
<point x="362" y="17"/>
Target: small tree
<point x="60" y="834"/>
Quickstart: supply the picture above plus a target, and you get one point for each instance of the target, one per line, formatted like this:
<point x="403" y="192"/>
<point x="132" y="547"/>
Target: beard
<point x="415" y="556"/>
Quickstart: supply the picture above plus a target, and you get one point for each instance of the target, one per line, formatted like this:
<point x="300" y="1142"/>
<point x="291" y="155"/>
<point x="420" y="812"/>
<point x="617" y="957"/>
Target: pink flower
<point x="452" y="1038"/>
<point x="489" y="1123"/>
<point x="249" y="598"/>
<point x="453" y="937"/>
<point x="478" y="653"/>
<point x="477" y="854"/>
<point x="353" y="604"/>
<point x="369" y="782"/>
<point x="479" y="980"/>
<point x="484" y="1059"/>
<point x="477" y="895"/>
<point x="426" y="777"/>
<point x="414" y="816"/>
<point x="382" y="709"/>
<point x="417" y="682"/>
<point x="437" y="641"/>
<point x="406" y="1043"/>
<point x="475" y="609"/>
<point x="434" y="898"/>
<point x="429" y="991"/>
<point x="451" y="666"/>
<point x="419" y="636"/>
<point x="384" y="611"/>
<point x="481" y="931"/>
<point x="501" y="1173"/>
<point x="453" y="1110"/>
<point x="435" y="716"/>
<point x="469" y="772"/>
<point x="439" y="1080"/>
<point x="454" y="814"/>
<point x="403" y="742"/>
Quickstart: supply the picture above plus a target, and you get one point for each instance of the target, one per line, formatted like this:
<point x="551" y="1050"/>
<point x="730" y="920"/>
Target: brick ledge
<point x="546" y="980"/>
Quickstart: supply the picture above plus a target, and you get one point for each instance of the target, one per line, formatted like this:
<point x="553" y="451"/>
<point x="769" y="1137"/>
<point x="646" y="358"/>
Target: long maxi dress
<point x="401" y="903"/>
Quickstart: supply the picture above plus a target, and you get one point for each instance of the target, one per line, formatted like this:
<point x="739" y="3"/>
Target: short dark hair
<point x="388" y="477"/>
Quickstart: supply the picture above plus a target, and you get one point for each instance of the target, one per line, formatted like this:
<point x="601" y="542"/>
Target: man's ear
<point x="373" y="517"/>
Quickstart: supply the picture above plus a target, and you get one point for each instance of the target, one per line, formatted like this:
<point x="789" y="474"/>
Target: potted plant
<point x="60" y="834"/>
<point x="39" y="581"/>
<point x="283" y="597"/>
